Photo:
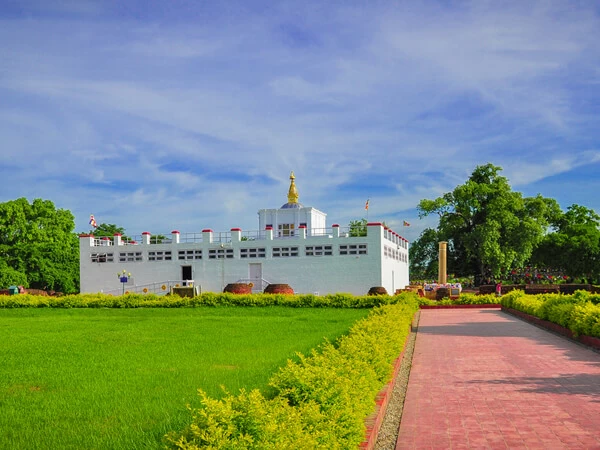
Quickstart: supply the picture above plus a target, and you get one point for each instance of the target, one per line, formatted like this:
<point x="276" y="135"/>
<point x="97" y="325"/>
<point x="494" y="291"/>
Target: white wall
<point x="305" y="274"/>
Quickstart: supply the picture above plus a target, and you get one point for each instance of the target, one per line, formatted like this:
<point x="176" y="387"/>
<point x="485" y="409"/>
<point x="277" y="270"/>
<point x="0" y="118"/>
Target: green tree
<point x="574" y="244"/>
<point x="107" y="230"/>
<point x="358" y="227"/>
<point x="488" y="226"/>
<point x="38" y="246"/>
<point x="424" y="255"/>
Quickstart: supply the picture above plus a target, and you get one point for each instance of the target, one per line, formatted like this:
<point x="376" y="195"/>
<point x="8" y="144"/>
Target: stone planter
<point x="238" y="288"/>
<point x="377" y="290"/>
<point x="278" y="289"/>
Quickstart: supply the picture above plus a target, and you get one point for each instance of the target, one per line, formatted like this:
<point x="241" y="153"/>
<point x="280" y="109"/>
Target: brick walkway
<point x="485" y="379"/>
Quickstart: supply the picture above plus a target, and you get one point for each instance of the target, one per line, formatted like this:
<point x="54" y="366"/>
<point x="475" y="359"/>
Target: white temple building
<point x="293" y="245"/>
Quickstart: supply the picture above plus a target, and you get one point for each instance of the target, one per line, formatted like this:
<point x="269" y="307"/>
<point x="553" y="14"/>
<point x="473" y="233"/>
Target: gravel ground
<point x="388" y="433"/>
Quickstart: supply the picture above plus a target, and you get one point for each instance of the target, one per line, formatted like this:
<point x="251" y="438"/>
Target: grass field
<point x="121" y="378"/>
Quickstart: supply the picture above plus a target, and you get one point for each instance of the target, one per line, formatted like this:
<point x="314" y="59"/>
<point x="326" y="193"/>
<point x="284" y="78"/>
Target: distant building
<point x="293" y="246"/>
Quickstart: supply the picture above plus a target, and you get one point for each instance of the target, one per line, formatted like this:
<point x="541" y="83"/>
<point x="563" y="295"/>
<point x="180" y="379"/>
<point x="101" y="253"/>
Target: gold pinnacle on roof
<point x="293" y="192"/>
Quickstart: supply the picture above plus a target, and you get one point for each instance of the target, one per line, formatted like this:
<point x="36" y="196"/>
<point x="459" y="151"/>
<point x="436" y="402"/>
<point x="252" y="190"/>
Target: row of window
<point x="394" y="254"/>
<point x="389" y="235"/>
<point x="227" y="253"/>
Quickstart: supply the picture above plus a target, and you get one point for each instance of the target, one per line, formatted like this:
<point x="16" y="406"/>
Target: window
<point x="220" y="253"/>
<point x="391" y="253"/>
<point x="285" y="229"/>
<point x="318" y="250"/>
<point x="102" y="257"/>
<point x="279" y="252"/>
<point x="253" y="252"/>
<point x="130" y="256"/>
<point x="189" y="254"/>
<point x="159" y="256"/>
<point x="353" y="249"/>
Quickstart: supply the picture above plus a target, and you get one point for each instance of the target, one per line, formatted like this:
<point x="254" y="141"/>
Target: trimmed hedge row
<point x="464" y="299"/>
<point x="579" y="312"/>
<point x="207" y="299"/>
<point x="320" y="401"/>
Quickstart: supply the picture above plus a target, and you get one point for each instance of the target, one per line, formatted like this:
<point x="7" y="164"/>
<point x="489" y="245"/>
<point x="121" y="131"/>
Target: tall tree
<point x="38" y="245"/>
<point x="424" y="255"/>
<point x="489" y="225"/>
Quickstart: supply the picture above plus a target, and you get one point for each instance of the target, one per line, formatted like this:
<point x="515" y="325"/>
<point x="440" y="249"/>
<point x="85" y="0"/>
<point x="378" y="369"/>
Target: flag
<point x="406" y="224"/>
<point x="93" y="221"/>
<point x="367" y="205"/>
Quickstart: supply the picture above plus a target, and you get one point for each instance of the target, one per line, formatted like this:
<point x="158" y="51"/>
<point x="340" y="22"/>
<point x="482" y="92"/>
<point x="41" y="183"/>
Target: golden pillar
<point x="442" y="268"/>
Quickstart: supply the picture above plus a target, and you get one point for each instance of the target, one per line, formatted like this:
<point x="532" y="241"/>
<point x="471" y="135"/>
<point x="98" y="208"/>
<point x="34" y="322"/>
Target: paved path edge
<point x="588" y="341"/>
<point x="374" y="421"/>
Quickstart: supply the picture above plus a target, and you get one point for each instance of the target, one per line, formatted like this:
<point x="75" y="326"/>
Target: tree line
<point x="38" y="246"/>
<point x="493" y="232"/>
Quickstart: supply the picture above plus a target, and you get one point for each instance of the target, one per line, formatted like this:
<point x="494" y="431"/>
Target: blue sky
<point x="162" y="115"/>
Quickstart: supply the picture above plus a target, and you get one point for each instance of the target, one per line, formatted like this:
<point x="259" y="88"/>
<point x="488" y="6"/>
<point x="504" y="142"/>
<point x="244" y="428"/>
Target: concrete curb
<point x="374" y="421"/>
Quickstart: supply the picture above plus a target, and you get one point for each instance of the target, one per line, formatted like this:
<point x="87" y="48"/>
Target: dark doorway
<point x="186" y="274"/>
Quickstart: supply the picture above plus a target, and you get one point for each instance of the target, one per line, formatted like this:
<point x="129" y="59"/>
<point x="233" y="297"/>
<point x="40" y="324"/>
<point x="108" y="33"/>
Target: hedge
<point x="579" y="312"/>
<point x="319" y="401"/>
<point x="341" y="300"/>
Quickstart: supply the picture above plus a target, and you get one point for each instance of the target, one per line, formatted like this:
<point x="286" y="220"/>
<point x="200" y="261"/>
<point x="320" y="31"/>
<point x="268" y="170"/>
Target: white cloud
<point x="399" y="103"/>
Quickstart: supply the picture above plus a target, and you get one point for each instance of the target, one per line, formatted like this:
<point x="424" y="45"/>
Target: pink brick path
<point x="485" y="379"/>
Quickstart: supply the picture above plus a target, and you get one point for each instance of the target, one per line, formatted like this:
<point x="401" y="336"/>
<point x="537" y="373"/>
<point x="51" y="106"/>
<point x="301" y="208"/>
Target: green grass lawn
<point x="121" y="378"/>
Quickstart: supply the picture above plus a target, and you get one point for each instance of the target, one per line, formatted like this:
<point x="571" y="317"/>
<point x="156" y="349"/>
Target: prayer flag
<point x="367" y="205"/>
<point x="93" y="221"/>
<point x="406" y="224"/>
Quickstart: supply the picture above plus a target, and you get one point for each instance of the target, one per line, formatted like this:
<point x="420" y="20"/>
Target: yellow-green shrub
<point x="341" y="300"/>
<point x="319" y="401"/>
<point x="576" y="312"/>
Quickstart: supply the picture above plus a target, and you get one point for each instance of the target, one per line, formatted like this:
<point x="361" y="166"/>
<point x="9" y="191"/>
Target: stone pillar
<point x="302" y="232"/>
<point x="269" y="233"/>
<point x="117" y="238"/>
<point x="335" y="229"/>
<point x="207" y="235"/>
<point x="175" y="237"/>
<point x="442" y="268"/>
<point x="236" y="234"/>
<point x="146" y="237"/>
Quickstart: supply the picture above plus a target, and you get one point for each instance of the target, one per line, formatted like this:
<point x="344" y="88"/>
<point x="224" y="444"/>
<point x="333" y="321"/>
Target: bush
<point x="320" y="401"/>
<point x="341" y="300"/>
<point x="578" y="312"/>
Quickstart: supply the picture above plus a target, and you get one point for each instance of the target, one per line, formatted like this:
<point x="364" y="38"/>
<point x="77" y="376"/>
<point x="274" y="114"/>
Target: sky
<point x="182" y="115"/>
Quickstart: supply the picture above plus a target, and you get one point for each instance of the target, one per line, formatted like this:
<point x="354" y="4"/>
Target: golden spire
<point x="293" y="192"/>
